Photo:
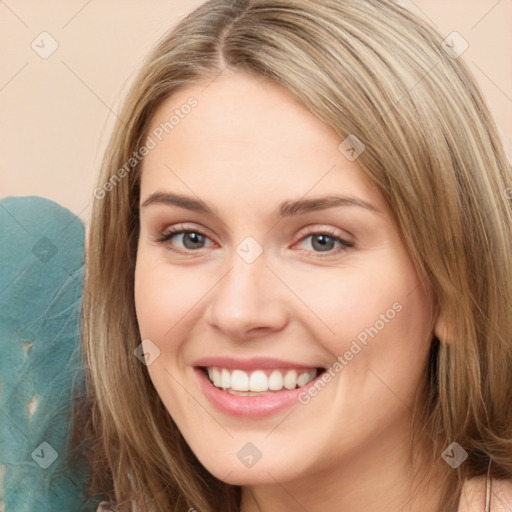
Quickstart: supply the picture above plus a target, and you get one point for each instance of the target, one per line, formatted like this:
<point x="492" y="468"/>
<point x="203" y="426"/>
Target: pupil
<point x="325" y="242"/>
<point x="196" y="238"/>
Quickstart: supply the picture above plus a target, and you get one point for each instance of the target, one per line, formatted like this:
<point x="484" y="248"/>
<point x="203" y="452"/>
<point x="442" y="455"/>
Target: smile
<point x="261" y="381"/>
<point x="255" y="387"/>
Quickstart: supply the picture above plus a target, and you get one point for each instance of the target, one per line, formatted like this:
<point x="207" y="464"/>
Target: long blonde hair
<point x="367" y="68"/>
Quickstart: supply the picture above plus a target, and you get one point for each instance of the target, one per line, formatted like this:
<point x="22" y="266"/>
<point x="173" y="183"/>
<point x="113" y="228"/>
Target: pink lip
<point x="255" y="363"/>
<point x="249" y="406"/>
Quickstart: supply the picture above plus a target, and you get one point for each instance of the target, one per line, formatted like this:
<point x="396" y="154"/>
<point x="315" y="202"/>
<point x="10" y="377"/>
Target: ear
<point x="441" y="330"/>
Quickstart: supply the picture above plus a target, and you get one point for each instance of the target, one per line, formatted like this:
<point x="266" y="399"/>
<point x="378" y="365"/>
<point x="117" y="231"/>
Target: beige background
<point x="56" y="113"/>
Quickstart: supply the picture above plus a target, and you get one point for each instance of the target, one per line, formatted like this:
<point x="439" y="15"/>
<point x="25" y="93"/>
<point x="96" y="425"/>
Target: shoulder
<point x="473" y="495"/>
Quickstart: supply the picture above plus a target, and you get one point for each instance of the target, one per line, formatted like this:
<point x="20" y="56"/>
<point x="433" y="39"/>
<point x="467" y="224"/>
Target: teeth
<point x="303" y="379"/>
<point x="239" y="381"/>
<point x="225" y="379"/>
<point x="290" y="379"/>
<point x="214" y="376"/>
<point x="259" y="380"/>
<point x="275" y="381"/>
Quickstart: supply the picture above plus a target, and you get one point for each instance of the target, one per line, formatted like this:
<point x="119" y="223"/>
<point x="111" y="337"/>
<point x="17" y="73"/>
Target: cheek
<point x="378" y="320"/>
<point x="163" y="296"/>
<point x="151" y="298"/>
<point x="163" y="303"/>
<point x="389" y="320"/>
<point x="344" y="302"/>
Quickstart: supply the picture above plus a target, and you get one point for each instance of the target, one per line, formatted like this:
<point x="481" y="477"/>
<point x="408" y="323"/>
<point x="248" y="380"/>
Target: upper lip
<point x="254" y="363"/>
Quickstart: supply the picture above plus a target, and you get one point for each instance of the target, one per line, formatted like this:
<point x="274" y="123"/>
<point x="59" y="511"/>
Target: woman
<point x="298" y="290"/>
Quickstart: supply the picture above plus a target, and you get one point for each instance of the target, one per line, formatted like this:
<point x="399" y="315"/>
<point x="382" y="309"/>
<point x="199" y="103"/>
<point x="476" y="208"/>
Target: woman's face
<point x="273" y="280"/>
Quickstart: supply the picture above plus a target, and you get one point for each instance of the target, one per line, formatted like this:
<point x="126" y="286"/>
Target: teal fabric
<point x="41" y="277"/>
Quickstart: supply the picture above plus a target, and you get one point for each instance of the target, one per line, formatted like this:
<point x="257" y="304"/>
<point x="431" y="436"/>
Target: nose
<point x="248" y="301"/>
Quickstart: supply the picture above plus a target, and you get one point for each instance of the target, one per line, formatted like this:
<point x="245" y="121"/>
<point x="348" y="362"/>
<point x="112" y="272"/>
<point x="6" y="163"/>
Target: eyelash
<point x="169" y="233"/>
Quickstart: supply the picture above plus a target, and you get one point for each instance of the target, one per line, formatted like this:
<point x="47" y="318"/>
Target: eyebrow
<point x="286" y="209"/>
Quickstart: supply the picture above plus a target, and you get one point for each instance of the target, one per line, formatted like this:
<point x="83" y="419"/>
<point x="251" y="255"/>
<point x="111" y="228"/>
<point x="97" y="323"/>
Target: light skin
<point x="245" y="149"/>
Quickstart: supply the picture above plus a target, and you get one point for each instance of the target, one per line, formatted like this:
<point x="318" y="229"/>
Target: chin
<point x="235" y="472"/>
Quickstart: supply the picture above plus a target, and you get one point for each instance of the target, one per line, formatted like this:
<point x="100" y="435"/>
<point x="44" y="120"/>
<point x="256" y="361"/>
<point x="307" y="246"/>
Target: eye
<point x="191" y="239"/>
<point x="324" y="241"/>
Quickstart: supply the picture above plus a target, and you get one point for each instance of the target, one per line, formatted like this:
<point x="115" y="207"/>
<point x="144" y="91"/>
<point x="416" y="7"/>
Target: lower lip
<point x="249" y="406"/>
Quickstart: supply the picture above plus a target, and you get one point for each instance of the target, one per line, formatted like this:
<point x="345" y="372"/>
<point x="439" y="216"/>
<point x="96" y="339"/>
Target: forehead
<point x="245" y="136"/>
